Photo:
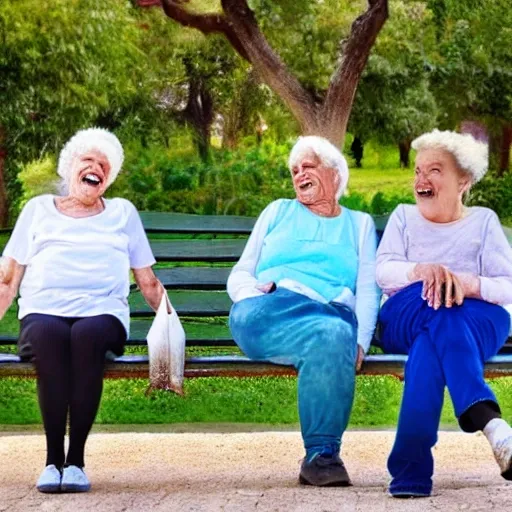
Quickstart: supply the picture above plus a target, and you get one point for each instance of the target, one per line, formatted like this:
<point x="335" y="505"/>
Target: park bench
<point x="201" y="251"/>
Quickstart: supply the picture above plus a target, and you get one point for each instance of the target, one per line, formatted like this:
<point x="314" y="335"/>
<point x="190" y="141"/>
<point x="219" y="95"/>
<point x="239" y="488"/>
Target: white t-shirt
<point x="78" y="267"/>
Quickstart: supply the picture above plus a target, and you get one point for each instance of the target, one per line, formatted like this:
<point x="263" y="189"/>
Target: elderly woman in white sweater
<point x="448" y="270"/>
<point x="69" y="257"/>
<point x="304" y="294"/>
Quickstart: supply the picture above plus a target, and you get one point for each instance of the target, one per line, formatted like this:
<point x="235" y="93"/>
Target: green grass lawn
<point x="266" y="400"/>
<point x="368" y="182"/>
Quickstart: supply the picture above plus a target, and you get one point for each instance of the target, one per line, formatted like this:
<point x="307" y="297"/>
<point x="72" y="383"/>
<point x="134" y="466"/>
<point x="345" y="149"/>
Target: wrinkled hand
<point x="439" y="285"/>
<point x="266" y="288"/>
<point x="359" y="358"/>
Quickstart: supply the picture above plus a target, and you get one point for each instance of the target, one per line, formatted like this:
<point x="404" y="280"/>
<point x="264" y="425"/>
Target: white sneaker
<point x="499" y="435"/>
<point x="74" y="480"/>
<point x="503" y="455"/>
<point x="49" y="480"/>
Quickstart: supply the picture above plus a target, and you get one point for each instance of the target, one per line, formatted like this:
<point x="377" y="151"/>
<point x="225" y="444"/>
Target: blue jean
<point x="447" y="347"/>
<point x="319" y="340"/>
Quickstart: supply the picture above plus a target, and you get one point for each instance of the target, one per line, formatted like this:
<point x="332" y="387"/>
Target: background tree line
<point x="164" y="74"/>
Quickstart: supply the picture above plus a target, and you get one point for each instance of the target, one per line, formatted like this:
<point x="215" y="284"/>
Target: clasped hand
<point x="440" y="285"/>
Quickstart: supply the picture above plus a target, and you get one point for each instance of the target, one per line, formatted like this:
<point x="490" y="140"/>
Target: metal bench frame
<point x="211" y="240"/>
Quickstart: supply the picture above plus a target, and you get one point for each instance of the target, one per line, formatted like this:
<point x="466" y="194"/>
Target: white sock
<point x="497" y="430"/>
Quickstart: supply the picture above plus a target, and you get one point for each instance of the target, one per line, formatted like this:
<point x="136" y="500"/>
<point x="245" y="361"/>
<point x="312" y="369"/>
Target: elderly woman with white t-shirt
<point x="304" y="294"/>
<point x="448" y="271"/>
<point x="69" y="257"/>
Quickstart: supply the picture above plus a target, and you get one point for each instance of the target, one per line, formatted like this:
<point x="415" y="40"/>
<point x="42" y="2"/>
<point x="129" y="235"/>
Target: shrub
<point x="38" y="177"/>
<point x="380" y="204"/>
<point x="495" y="193"/>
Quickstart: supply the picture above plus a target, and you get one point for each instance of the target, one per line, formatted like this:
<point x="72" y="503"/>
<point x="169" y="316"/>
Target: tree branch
<point x="343" y="86"/>
<point x="269" y="65"/>
<point x="205" y="23"/>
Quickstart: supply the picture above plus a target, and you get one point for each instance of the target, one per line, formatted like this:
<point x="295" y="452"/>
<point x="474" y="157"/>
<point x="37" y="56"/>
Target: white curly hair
<point x="92" y="139"/>
<point x="328" y="153"/>
<point x="471" y="155"/>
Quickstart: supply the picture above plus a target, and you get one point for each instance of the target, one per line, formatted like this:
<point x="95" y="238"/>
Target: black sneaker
<point x="324" y="470"/>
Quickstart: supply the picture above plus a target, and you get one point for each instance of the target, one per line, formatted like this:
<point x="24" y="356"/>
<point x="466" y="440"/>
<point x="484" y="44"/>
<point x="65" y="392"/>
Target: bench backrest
<point x="199" y="252"/>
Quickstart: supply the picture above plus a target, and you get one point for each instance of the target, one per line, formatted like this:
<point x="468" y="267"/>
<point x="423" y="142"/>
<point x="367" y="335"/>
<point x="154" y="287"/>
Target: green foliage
<point x="38" y="177"/>
<point x="393" y="101"/>
<point x="244" y="181"/>
<point x="64" y="66"/>
<point x="471" y="67"/>
<point x="239" y="182"/>
<point x="379" y="204"/>
<point x="495" y="193"/>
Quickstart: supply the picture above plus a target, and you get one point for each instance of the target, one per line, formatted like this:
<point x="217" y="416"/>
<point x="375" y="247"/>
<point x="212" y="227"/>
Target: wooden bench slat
<point x="192" y="304"/>
<point x="194" y="278"/>
<point x="163" y="222"/>
<point x="213" y="251"/>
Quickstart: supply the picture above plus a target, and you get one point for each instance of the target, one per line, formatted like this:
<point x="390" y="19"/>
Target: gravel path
<point x="244" y="472"/>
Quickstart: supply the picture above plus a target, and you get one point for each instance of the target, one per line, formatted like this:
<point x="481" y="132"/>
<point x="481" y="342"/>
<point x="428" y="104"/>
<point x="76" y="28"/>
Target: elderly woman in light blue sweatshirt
<point x="448" y="270"/>
<point x="304" y="294"/>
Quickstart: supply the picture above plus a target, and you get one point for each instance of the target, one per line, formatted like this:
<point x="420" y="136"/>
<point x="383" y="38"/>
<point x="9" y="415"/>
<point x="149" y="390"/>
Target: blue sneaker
<point x="49" y="480"/>
<point x="74" y="480"/>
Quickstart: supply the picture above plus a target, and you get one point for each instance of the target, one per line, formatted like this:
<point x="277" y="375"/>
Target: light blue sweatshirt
<point x="327" y="259"/>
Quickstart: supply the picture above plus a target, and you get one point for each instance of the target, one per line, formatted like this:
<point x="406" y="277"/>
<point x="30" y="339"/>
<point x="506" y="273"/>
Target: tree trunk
<point x="231" y="131"/>
<point x="202" y="138"/>
<point x="4" y="202"/>
<point x="199" y="111"/>
<point x="506" y="141"/>
<point x="239" y="115"/>
<point x="240" y="27"/>
<point x="233" y="123"/>
<point x="404" y="147"/>
<point x="357" y="149"/>
<point x="499" y="148"/>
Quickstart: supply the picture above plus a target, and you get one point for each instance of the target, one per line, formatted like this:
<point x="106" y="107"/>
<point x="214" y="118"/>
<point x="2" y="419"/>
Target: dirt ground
<point x="243" y="472"/>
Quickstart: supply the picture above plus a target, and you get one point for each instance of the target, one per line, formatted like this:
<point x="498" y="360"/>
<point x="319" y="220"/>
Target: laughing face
<point x="439" y="185"/>
<point x="314" y="183"/>
<point x="90" y="176"/>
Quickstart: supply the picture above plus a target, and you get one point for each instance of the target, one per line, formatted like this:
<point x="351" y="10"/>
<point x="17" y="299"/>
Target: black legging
<point x="69" y="355"/>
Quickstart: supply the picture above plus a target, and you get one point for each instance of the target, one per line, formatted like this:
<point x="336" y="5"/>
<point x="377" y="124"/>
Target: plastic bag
<point x="166" y="347"/>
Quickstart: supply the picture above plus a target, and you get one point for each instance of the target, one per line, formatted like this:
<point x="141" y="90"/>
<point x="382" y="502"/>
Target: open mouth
<point x="424" y="192"/>
<point x="92" y="179"/>
<point x="306" y="185"/>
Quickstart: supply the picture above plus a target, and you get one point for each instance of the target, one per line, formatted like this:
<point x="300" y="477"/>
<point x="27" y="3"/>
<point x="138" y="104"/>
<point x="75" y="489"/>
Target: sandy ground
<point x="243" y="472"/>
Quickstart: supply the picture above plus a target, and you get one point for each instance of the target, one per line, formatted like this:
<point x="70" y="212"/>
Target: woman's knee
<point x="39" y="330"/>
<point x="333" y="338"/>
<point x="103" y="332"/>
<point x="247" y="312"/>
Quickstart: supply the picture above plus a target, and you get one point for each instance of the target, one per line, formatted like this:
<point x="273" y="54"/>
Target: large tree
<point x="324" y="112"/>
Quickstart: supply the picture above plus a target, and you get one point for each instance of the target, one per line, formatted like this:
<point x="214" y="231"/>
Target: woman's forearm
<point x="393" y="275"/>
<point x="150" y="287"/>
<point x="153" y="294"/>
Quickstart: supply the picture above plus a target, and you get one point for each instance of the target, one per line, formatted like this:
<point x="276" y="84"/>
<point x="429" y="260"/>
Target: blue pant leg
<point x="403" y="319"/>
<point x="411" y="463"/>
<point x="465" y="337"/>
<point x="319" y="340"/>
<point x="327" y="380"/>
